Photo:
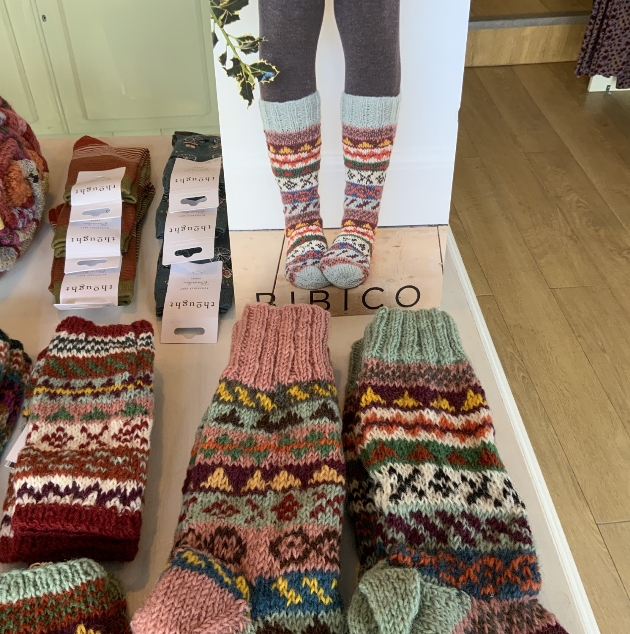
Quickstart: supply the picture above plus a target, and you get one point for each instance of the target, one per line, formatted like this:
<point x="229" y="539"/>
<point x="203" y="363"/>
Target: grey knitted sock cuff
<point x="291" y="116"/>
<point x="369" y="112"/>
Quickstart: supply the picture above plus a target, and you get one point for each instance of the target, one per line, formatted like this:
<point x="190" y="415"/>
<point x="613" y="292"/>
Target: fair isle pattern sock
<point x="294" y="141"/>
<point x="260" y="526"/>
<point x="78" y="484"/>
<point x="74" y="597"/>
<point x="369" y="128"/>
<point x="443" y="538"/>
<point x="15" y="372"/>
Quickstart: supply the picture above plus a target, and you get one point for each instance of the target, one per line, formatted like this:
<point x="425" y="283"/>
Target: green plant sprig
<point x="222" y="13"/>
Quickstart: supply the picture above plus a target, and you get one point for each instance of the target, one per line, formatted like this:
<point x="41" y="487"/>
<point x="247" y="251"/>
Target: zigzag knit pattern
<point x="294" y="143"/>
<point x="441" y="533"/>
<point x="368" y="128"/>
<point x="15" y="367"/>
<point x="259" y="534"/>
<point x="78" y="484"/>
<point x="75" y="597"/>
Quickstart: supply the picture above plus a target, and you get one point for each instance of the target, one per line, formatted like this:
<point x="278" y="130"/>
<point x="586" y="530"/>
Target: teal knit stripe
<point x="369" y="112"/>
<point x="291" y="116"/>
<point x="422" y="336"/>
<point x="16" y="585"/>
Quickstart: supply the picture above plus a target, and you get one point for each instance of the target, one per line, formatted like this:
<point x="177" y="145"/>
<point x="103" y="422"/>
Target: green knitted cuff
<point x="369" y="112"/>
<point x="356" y="354"/>
<point x="291" y="116"/>
<point x="406" y="336"/>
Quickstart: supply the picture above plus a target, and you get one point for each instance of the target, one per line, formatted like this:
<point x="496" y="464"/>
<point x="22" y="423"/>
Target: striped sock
<point x="369" y="127"/>
<point x="293" y="136"/>
<point x="443" y="538"/>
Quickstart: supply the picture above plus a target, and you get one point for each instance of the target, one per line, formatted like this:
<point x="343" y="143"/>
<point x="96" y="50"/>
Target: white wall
<point x="418" y="189"/>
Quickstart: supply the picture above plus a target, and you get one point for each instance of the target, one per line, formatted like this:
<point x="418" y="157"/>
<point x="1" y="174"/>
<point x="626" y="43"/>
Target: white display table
<point x="186" y="377"/>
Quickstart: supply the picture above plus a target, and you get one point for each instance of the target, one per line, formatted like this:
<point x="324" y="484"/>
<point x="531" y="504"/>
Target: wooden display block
<point x="406" y="271"/>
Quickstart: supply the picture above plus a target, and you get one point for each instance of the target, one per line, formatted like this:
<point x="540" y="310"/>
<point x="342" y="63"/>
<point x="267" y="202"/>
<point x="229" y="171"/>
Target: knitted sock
<point x="369" y="127"/>
<point x="15" y="372"/>
<point x="74" y="597"/>
<point x="450" y="549"/>
<point x="293" y="136"/>
<point x="264" y="491"/>
<point x="78" y="484"/>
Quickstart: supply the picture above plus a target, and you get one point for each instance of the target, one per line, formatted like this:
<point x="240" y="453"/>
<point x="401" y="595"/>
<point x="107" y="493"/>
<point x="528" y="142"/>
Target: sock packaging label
<point x="89" y="289"/>
<point x="97" y="195"/>
<point x="189" y="236"/>
<point x="194" y="185"/>
<point x="191" y="307"/>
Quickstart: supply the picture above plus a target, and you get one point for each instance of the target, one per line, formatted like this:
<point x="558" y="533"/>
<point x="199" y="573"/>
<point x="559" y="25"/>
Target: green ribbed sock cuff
<point x="291" y="116"/>
<point x="369" y="112"/>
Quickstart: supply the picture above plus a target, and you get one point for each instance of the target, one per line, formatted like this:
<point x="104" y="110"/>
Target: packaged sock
<point x="221" y="254"/>
<point x="74" y="597"/>
<point x="443" y="538"/>
<point x="16" y="367"/>
<point x="257" y="544"/>
<point x="78" y="484"/>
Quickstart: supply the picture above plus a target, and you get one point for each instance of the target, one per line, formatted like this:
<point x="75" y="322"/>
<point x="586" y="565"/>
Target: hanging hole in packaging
<point x="193" y="201"/>
<point x="189" y="333"/>
<point x="96" y="212"/>
<point x="188" y="253"/>
<point x="91" y="262"/>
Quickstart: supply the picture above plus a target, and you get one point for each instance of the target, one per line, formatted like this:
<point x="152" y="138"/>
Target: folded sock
<point x="74" y="597"/>
<point x="16" y="368"/>
<point x="78" y="484"/>
<point x="128" y="269"/>
<point x="221" y="254"/>
<point x="438" y="522"/>
<point x="259" y="533"/>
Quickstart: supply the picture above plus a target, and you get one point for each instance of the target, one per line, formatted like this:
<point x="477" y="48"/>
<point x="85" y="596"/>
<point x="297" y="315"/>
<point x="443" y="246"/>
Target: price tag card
<point x="93" y="244"/>
<point x="191" y="308"/>
<point x="189" y="236"/>
<point x="89" y="289"/>
<point x="194" y="185"/>
<point x="97" y="195"/>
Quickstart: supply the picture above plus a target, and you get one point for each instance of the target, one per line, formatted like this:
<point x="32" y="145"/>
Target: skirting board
<point x="553" y="548"/>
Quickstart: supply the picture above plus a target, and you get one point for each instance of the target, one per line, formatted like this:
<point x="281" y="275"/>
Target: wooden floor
<point x="493" y="8"/>
<point x="541" y="213"/>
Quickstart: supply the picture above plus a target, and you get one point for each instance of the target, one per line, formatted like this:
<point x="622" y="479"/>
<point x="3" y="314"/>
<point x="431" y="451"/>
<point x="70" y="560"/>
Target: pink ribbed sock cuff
<point x="279" y="346"/>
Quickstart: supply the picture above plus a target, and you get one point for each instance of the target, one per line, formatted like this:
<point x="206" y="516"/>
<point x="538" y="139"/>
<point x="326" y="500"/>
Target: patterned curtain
<point x="606" y="47"/>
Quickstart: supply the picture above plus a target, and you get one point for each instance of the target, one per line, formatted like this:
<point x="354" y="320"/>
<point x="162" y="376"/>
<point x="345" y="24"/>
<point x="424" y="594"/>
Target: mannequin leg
<point x="369" y="32"/>
<point x="291" y="118"/>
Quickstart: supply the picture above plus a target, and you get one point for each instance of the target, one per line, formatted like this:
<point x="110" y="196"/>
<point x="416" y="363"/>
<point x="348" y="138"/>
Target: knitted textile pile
<point x="257" y="544"/>
<point x="91" y="154"/>
<point x="15" y="367"/>
<point x="195" y="147"/>
<point x="75" y="597"/>
<point x="442" y="536"/>
<point x="78" y="484"/>
<point x="23" y="185"/>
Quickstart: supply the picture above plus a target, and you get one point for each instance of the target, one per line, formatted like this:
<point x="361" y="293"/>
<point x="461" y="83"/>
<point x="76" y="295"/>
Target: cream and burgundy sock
<point x="294" y="141"/>
<point x="369" y="128"/>
<point x="443" y="538"/>
<point x="258" y="541"/>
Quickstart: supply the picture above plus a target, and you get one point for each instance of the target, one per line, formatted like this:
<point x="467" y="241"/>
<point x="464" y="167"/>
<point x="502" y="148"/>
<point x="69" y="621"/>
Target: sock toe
<point x="309" y="278"/>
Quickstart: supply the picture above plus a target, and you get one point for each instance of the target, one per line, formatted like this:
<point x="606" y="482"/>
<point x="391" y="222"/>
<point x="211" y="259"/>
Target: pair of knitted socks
<point x="293" y="131"/>
<point x="77" y="487"/>
<point x="15" y="367"/>
<point x="74" y="597"/>
<point x="90" y="154"/>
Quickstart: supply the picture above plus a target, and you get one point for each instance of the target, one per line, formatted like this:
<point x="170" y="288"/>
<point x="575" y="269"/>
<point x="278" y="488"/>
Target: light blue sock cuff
<point x="291" y="116"/>
<point x="369" y="112"/>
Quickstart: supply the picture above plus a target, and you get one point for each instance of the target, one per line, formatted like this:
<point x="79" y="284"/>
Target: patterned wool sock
<point x="369" y="127"/>
<point x="78" y="484"/>
<point x="74" y="597"/>
<point x="294" y="141"/>
<point x="15" y="372"/>
<point x="443" y="538"/>
<point x="259" y="534"/>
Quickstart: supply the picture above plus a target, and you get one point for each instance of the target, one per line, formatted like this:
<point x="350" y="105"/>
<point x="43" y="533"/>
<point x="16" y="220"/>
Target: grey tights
<point x="369" y="32"/>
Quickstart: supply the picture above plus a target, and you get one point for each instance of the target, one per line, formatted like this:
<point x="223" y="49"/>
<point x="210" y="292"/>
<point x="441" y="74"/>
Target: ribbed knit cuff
<point x="291" y="116"/>
<point x="280" y="346"/>
<point x="48" y="579"/>
<point x="405" y="336"/>
<point x="354" y="366"/>
<point x="369" y="112"/>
